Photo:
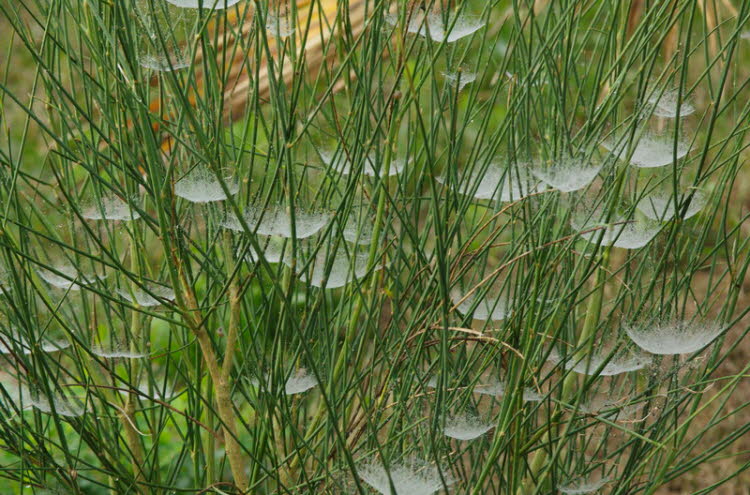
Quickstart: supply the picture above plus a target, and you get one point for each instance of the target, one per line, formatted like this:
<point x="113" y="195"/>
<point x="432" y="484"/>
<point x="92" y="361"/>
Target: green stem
<point x="340" y="365"/>
<point x="128" y="420"/>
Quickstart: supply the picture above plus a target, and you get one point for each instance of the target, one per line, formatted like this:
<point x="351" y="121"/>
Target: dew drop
<point x="15" y="341"/>
<point x="159" y="391"/>
<point x="432" y="26"/>
<point x="466" y="427"/>
<point x="493" y="387"/>
<point x="341" y="165"/>
<point x="661" y="206"/>
<point x="581" y="486"/>
<point x="300" y="382"/>
<point x="143" y="298"/>
<point x="651" y="151"/>
<point x="531" y="395"/>
<point x="200" y="185"/>
<point x="416" y="478"/>
<point x="567" y="175"/>
<point x="116" y="351"/>
<point x="358" y="229"/>
<point x="110" y="208"/>
<point x="68" y="280"/>
<point x="206" y="4"/>
<point x="665" y="105"/>
<point x="621" y="362"/>
<point x="277" y="222"/>
<point x="164" y="63"/>
<point x="459" y="79"/>
<point x="63" y="405"/>
<point x="498" y="183"/>
<point x="629" y="235"/>
<point x="676" y="337"/>
<point x="280" y="26"/>
<point x="165" y="35"/>
<point x="273" y="250"/>
<point x="488" y="309"/>
<point x="344" y="269"/>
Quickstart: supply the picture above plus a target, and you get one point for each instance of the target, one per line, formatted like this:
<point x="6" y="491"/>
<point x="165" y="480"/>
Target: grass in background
<point x="488" y="248"/>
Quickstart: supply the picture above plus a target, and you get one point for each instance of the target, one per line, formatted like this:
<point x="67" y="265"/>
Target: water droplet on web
<point x="13" y="394"/>
<point x="665" y="105"/>
<point x="280" y="26"/>
<point x="56" y="345"/>
<point x="676" y="337"/>
<point x="300" y="382"/>
<point x="498" y="182"/>
<point x="488" y="309"/>
<point x="164" y="63"/>
<point x="466" y="427"/>
<point x="619" y="233"/>
<point x="371" y="167"/>
<point x="68" y="277"/>
<point x="496" y="388"/>
<point x="432" y="26"/>
<point x="344" y="269"/>
<point x="567" y="175"/>
<point x="141" y="297"/>
<point x="15" y="342"/>
<point x="661" y="207"/>
<point x="4" y="285"/>
<point x="275" y="221"/>
<point x="272" y="250"/>
<point x="62" y="404"/>
<point x="12" y="341"/>
<point x="459" y="79"/>
<point x="621" y="362"/>
<point x="492" y="387"/>
<point x="432" y="382"/>
<point x="200" y="185"/>
<point x="651" y="151"/>
<point x="158" y="391"/>
<point x="165" y="35"/>
<point x="464" y="26"/>
<point x="358" y="228"/>
<point x="414" y="478"/>
<point x="206" y="4"/>
<point x="531" y="395"/>
<point x="606" y="407"/>
<point x="582" y="485"/>
<point x="116" y="350"/>
<point x="110" y="208"/>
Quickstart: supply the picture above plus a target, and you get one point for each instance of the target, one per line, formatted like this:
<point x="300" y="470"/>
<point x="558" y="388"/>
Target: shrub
<point x="338" y="247"/>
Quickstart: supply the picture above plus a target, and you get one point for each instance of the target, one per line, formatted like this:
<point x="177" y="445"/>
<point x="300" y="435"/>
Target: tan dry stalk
<point x="731" y="8"/>
<point x="224" y="403"/>
<point x="324" y="19"/>
<point x="709" y="14"/>
<point x="669" y="47"/>
<point x="127" y="418"/>
<point x="634" y="15"/>
<point x="320" y="33"/>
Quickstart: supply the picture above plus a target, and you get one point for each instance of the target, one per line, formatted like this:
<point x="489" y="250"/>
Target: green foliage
<point x="379" y="251"/>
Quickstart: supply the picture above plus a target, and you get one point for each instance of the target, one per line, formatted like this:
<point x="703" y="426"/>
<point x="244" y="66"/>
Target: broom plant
<point x="372" y="247"/>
